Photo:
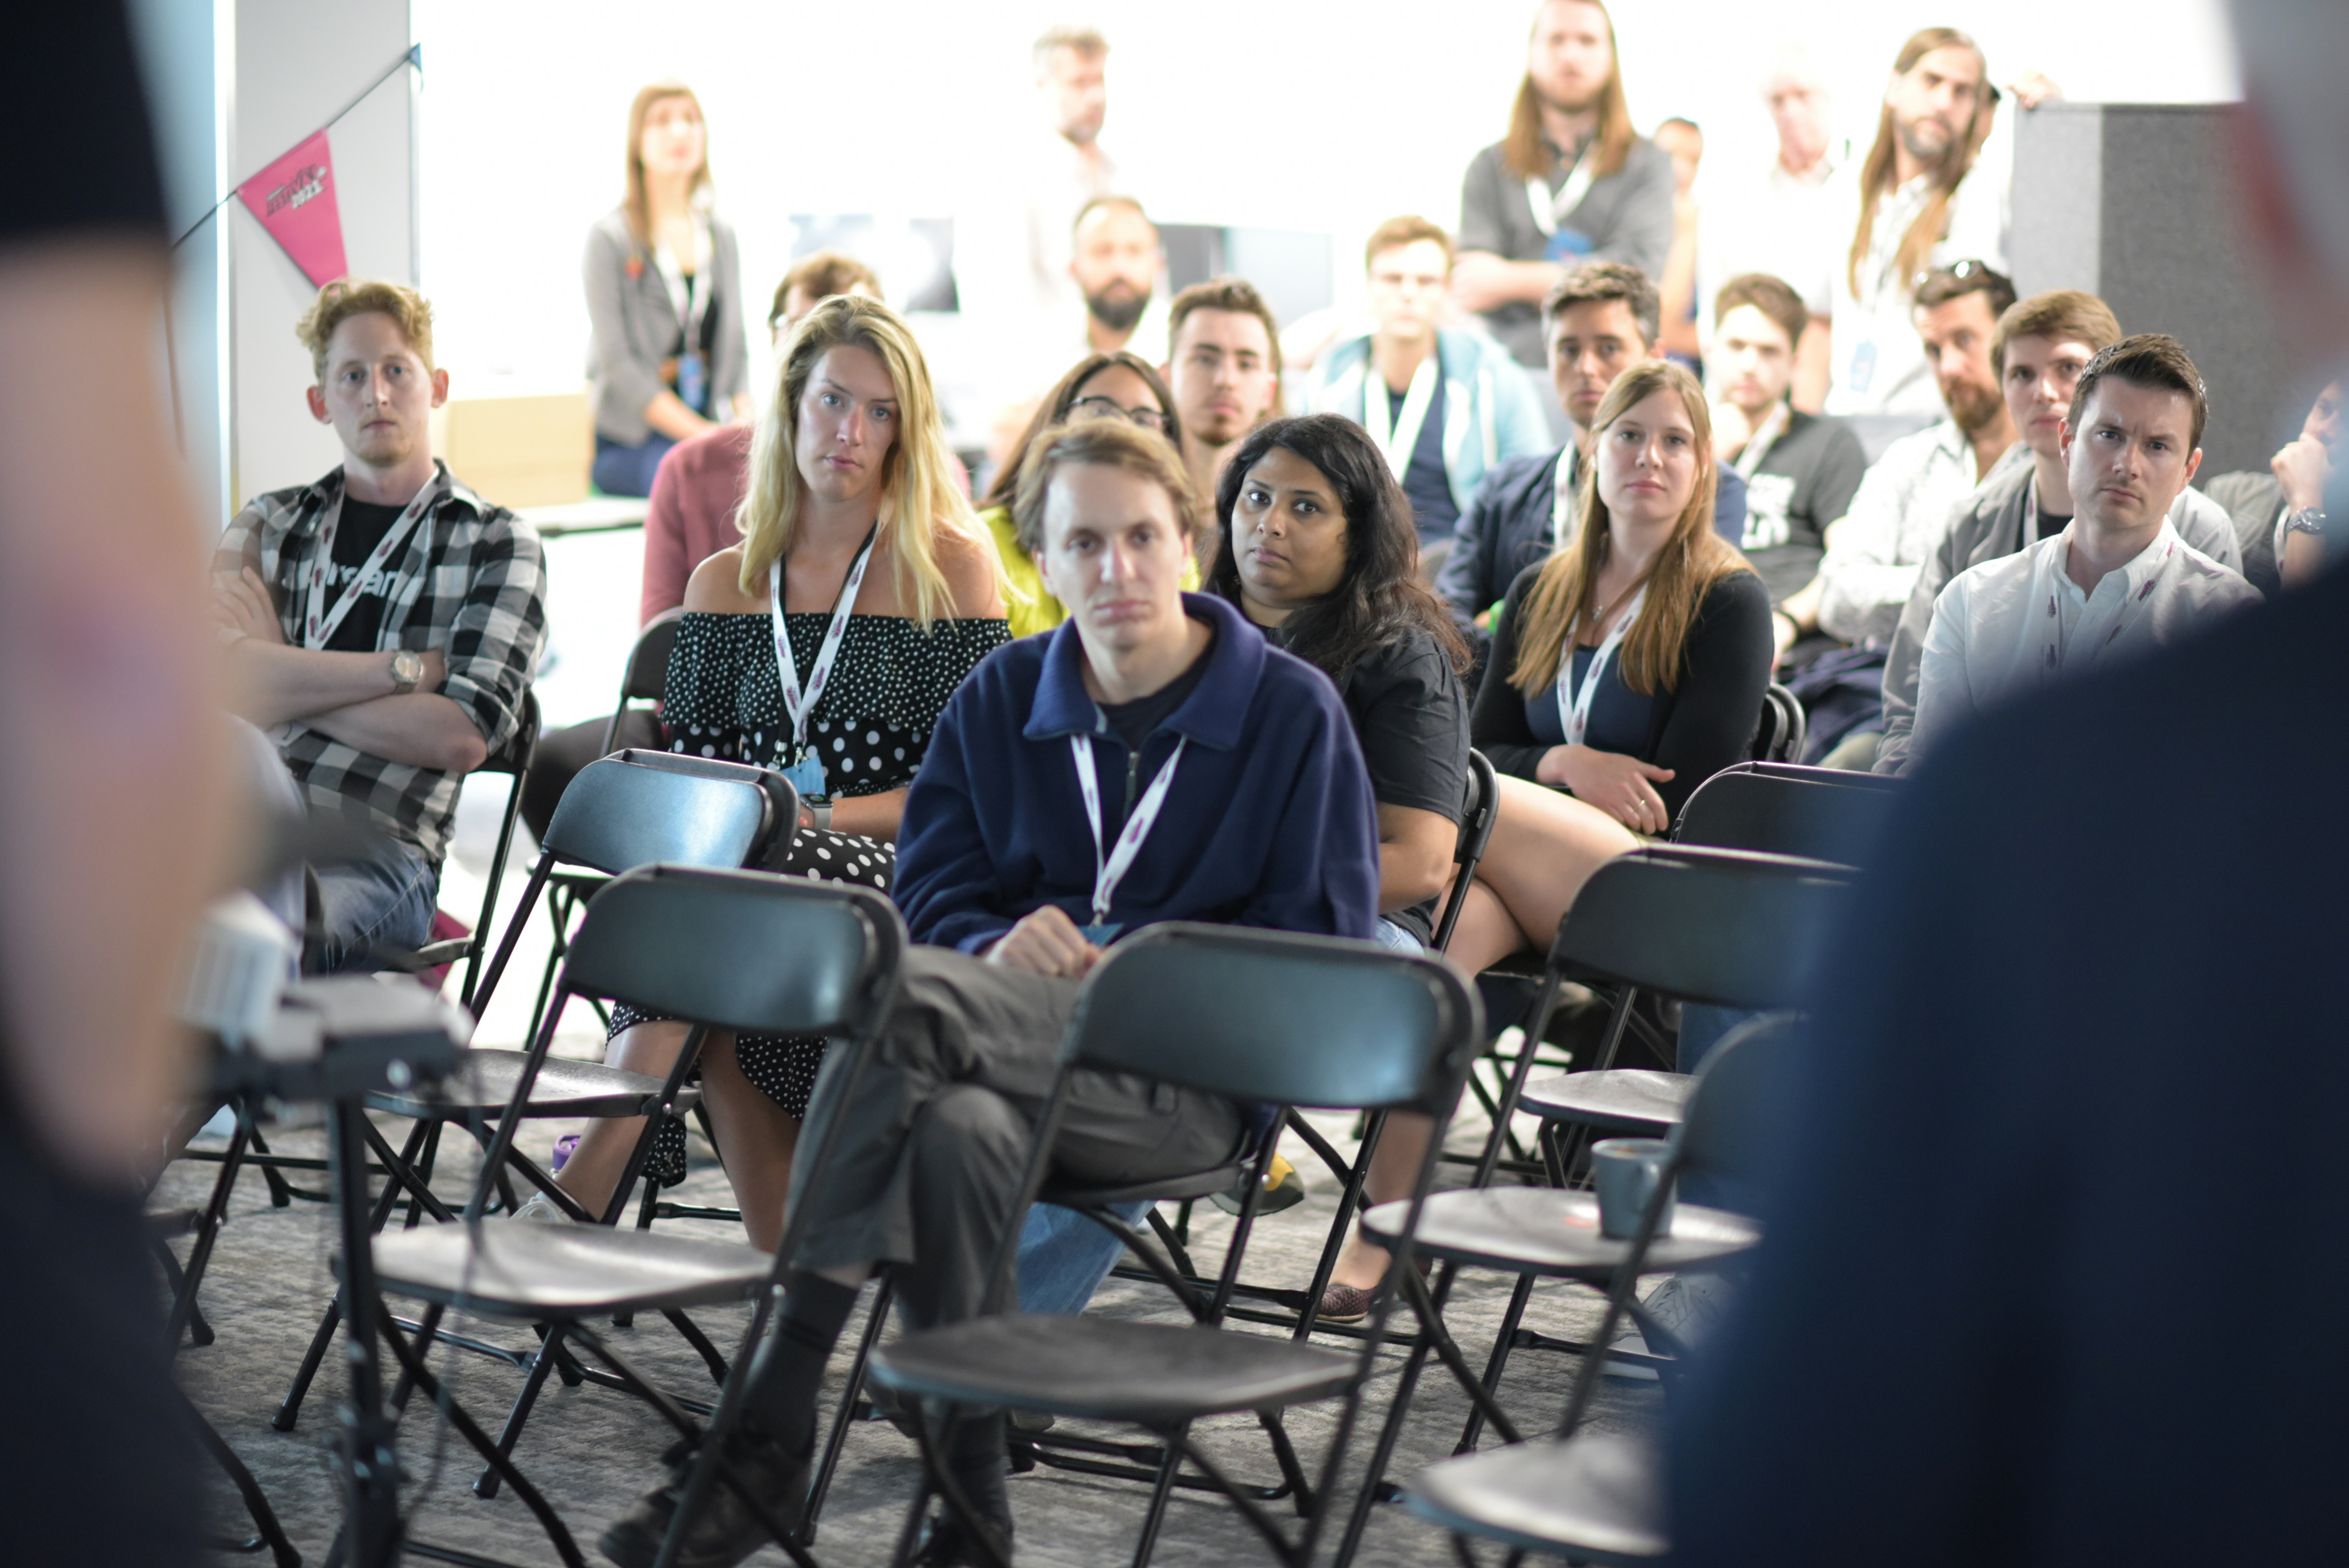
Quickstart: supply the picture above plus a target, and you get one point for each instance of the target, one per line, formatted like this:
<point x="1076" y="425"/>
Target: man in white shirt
<point x="1874" y="551"/>
<point x="2115" y="583"/>
<point x="1069" y="167"/>
<point x="1753" y="219"/>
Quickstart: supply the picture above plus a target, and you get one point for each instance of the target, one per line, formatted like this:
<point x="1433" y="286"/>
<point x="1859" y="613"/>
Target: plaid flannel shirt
<point x="472" y="583"/>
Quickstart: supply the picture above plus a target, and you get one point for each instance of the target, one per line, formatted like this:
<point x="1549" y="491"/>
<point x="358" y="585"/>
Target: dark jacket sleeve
<point x="1729" y="508"/>
<point x="1461" y="584"/>
<point x="1497" y="727"/>
<point x="1322" y="874"/>
<point x="946" y="884"/>
<point x="1724" y="674"/>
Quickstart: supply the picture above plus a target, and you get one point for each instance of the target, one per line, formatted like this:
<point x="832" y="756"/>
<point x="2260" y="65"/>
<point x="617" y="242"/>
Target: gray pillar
<point x="2137" y="204"/>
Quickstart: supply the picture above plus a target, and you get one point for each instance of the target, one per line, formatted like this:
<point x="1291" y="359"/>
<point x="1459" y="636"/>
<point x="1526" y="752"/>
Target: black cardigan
<point x="1700" y="727"/>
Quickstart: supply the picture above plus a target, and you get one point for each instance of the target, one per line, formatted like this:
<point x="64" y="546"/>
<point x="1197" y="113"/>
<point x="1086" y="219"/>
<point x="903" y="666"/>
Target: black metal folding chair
<point x="513" y="760"/>
<point x="630" y="810"/>
<point x="1721" y="926"/>
<point x="1778" y="736"/>
<point x="1267" y="1018"/>
<point x="735" y="949"/>
<point x="1598" y="1497"/>
<point x="1781" y="808"/>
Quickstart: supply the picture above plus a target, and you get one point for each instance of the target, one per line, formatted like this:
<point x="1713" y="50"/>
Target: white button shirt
<point x="2012" y="625"/>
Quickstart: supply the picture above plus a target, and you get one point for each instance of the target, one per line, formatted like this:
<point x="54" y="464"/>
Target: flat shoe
<point x="1346" y="1303"/>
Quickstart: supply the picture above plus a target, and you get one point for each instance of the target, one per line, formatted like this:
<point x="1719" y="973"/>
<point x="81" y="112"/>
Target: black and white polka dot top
<point x="888" y="685"/>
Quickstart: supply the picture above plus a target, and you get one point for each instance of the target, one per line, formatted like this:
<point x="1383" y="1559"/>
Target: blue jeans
<point x="1395" y="938"/>
<point x="629" y="471"/>
<point x="1064" y="1256"/>
<point x="385" y="899"/>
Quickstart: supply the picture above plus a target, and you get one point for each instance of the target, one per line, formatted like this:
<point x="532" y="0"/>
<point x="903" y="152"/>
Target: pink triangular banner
<point x="294" y="198"/>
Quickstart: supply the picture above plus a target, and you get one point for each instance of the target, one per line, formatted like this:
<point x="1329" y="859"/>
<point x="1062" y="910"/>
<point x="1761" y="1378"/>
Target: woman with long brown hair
<point x="1626" y="669"/>
<point x="665" y="298"/>
<point x="824" y="646"/>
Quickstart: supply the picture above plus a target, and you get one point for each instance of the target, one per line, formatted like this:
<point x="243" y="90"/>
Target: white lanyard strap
<point x="1548" y="210"/>
<point x="787" y="669"/>
<point x="1758" y="445"/>
<point x="1573" y="706"/>
<point x="689" y="293"/>
<point x="1561" y="505"/>
<point x="320" y="620"/>
<point x="1398" y="441"/>
<point x="1110" y="867"/>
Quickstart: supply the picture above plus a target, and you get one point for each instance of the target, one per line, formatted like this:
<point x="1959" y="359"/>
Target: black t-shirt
<point x="2050" y="525"/>
<point x="1409" y="713"/>
<point x="1803" y="484"/>
<point x="1424" y="484"/>
<point x="1134" y="720"/>
<point x="356" y="534"/>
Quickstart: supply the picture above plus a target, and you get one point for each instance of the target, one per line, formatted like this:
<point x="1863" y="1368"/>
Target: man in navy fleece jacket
<point x="1226" y="786"/>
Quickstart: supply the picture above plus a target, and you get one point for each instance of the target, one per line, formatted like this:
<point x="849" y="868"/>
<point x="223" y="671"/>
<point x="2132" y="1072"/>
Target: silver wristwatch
<point x="406" y="672"/>
<point x="2307" y="520"/>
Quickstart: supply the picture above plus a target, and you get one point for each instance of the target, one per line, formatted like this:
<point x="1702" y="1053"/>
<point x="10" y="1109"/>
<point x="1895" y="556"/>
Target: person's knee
<point x="965" y="1133"/>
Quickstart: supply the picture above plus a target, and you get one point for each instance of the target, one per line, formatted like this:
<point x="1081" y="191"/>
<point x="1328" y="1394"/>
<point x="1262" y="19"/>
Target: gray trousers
<point x="935" y="1140"/>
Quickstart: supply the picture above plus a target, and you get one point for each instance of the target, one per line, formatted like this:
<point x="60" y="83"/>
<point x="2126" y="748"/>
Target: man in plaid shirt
<point x="383" y="622"/>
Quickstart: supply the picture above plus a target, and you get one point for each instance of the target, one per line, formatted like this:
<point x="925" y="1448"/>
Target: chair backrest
<point x="740" y="950"/>
<point x="1824" y="813"/>
<point x="1277" y="1017"/>
<point x="1779" y="733"/>
<point x="636" y="808"/>
<point x="647" y="671"/>
<point x="1478" y="813"/>
<point x="1736" y="1113"/>
<point x="1725" y="926"/>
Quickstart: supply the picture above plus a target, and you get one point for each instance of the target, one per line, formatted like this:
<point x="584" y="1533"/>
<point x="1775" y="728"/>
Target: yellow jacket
<point x="1027" y="602"/>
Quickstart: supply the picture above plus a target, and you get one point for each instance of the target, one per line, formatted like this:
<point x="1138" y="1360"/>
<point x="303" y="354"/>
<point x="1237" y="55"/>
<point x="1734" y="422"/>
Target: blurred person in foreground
<point x="1955" y="1343"/>
<point x="110" y="809"/>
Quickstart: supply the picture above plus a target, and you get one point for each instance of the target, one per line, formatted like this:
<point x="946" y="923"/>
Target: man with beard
<point x="1223" y="366"/>
<point x="1570" y="182"/>
<point x="1915" y="202"/>
<point x="1903" y="505"/>
<point x="1116" y="268"/>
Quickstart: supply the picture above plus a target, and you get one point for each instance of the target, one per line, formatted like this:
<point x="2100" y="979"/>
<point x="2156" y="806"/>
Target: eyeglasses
<point x="1100" y="407"/>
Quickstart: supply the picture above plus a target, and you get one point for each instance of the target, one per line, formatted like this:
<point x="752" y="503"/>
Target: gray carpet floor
<point x="592" y="1449"/>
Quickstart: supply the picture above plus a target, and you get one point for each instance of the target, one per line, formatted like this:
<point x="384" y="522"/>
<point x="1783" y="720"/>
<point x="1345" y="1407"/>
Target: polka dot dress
<point x="724" y="699"/>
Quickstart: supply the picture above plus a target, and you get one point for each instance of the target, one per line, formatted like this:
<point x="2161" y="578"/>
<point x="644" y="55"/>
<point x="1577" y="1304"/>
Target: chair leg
<point x="1503" y="1343"/>
<point x="289" y="1411"/>
<point x="837" y="1438"/>
<point x="1159" y="1493"/>
<point x="1301" y="1490"/>
<point x="424" y="1174"/>
<point x="280" y="1194"/>
<point x="1391" y="1430"/>
<point x="485" y="1485"/>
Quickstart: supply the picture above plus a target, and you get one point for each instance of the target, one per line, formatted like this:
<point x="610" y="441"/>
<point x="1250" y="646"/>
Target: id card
<point x="1101" y="936"/>
<point x="807" y="777"/>
<point x="1863" y="366"/>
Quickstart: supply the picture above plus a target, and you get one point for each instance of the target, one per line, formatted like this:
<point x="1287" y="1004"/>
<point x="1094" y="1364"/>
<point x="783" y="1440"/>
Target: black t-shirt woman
<point x="1317" y="547"/>
<point x="862" y="558"/>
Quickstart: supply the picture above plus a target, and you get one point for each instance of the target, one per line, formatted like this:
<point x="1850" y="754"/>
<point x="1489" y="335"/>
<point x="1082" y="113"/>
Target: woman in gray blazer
<point x="665" y="299"/>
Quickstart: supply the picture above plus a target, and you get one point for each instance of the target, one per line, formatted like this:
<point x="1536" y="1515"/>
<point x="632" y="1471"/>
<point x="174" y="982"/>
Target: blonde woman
<point x="665" y="299"/>
<point x="860" y="562"/>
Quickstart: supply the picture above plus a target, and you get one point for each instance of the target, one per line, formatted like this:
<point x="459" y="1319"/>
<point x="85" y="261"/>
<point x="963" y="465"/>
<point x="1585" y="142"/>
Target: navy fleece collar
<point x="1211" y="714"/>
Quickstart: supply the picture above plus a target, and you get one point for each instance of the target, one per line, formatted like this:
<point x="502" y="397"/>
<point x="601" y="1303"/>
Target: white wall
<point x="1297" y="114"/>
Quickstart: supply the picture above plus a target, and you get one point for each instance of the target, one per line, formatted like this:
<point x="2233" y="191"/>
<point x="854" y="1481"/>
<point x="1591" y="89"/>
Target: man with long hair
<point x="1570" y="182"/>
<point x="1923" y="197"/>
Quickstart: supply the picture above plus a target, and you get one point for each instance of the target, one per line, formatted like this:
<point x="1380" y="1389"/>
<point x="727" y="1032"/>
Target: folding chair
<point x="513" y="760"/>
<point x="1781" y="808"/>
<point x="1599" y="1497"/>
<point x="1722" y="926"/>
<point x="1263" y="1017"/>
<point x="622" y="811"/>
<point x="744" y="951"/>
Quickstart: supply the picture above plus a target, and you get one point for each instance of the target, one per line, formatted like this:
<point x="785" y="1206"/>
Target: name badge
<point x="1863" y="366"/>
<point x="807" y="777"/>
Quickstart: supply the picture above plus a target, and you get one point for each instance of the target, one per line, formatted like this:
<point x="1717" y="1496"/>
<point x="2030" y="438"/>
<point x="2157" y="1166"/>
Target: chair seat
<point x="1545" y="1231"/>
<point x="532" y="1269"/>
<point x="1108" y="1369"/>
<point x="1623" y="1100"/>
<point x="1595" y="1498"/>
<point x="485" y="1084"/>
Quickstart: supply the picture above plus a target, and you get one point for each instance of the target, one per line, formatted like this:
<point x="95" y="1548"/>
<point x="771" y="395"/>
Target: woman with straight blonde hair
<point x="665" y="297"/>
<point x="824" y="646"/>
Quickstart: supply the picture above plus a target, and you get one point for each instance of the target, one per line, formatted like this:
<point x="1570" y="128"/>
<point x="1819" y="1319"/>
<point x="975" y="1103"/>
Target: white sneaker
<point x="544" y="1210"/>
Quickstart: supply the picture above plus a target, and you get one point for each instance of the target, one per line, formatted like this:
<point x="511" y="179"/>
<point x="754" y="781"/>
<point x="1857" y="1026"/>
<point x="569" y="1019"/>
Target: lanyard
<point x="320" y="621"/>
<point x="1548" y="208"/>
<point x="1398" y="441"/>
<point x="787" y="669"/>
<point x="1110" y="870"/>
<point x="1574" y="706"/>
<point x="687" y="295"/>
<point x="1758" y="445"/>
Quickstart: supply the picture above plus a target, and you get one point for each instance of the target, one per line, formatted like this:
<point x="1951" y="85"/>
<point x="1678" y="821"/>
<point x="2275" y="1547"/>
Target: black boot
<point x="724" y="1530"/>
